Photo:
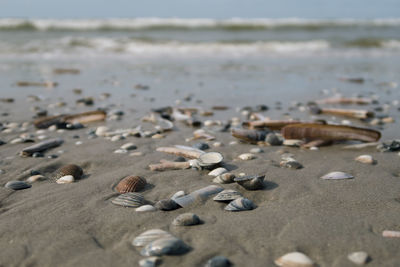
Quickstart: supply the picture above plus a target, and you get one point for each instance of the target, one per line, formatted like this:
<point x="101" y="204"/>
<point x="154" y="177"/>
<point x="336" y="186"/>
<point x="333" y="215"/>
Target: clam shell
<point x="17" y="185"/>
<point x="294" y="259"/>
<point x="210" y="159"/>
<point x="240" y="204"/>
<point x="186" y="219"/>
<point x="70" y="169"/>
<point x="149" y="236"/>
<point x="131" y="184"/>
<point x="202" y="193"/>
<point x="367" y="159"/>
<point x="227" y="195"/>
<point x="251" y="182"/>
<point x="218" y="261"/>
<point x="217" y="171"/>
<point x="131" y="200"/>
<point x="225" y="178"/>
<point x="67" y="179"/>
<point x="165" y="246"/>
<point x="291" y="164"/>
<point x="337" y="176"/>
<point x="166" y="205"/>
<point x="359" y="257"/>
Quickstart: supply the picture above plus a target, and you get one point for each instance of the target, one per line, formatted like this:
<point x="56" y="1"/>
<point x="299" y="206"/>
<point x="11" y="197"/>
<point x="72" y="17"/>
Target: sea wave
<point x="234" y="24"/>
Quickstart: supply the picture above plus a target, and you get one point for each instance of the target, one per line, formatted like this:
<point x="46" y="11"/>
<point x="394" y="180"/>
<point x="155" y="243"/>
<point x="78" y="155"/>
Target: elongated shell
<point x="250" y="136"/>
<point x="165" y="246"/>
<point x="17" y="185"/>
<point x="131" y="200"/>
<point x="149" y="236"/>
<point x="227" y="195"/>
<point x="240" y="204"/>
<point x="46" y="122"/>
<point x="251" y="182"/>
<point x="42" y="146"/>
<point x="202" y="193"/>
<point x="294" y="259"/>
<point x="131" y="184"/>
<point x="329" y="132"/>
<point x="86" y="117"/>
<point x="70" y="169"/>
<point x="337" y="176"/>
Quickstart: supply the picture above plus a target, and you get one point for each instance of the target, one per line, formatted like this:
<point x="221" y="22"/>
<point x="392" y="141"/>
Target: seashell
<point x="86" y="117"/>
<point x="273" y="125"/>
<point x="251" y="182"/>
<point x="35" y="178"/>
<point x="149" y="236"/>
<point x="70" y="169"/>
<point x="164" y="125"/>
<point x="256" y="150"/>
<point x="393" y="146"/>
<point x="389" y="233"/>
<point x="178" y="195"/>
<point x="165" y="246"/>
<point x="351" y="113"/>
<point x="186" y="219"/>
<point x="359" y="257"/>
<point x="102" y="130"/>
<point x="129" y="146"/>
<point x="210" y="159"/>
<point x="131" y="184"/>
<point x="293" y="142"/>
<point x="150" y="262"/>
<point x="247" y="156"/>
<point x="225" y="178"/>
<point x="217" y="171"/>
<point x="202" y="193"/>
<point x="218" y="261"/>
<point x="291" y="164"/>
<point x="250" y="136"/>
<point x="367" y="159"/>
<point x="166" y="205"/>
<point x="294" y="259"/>
<point x="131" y="200"/>
<point x="240" y="204"/>
<point x="42" y="146"/>
<point x="146" y="208"/>
<point x="201" y="146"/>
<point x="361" y="146"/>
<point x="67" y="179"/>
<point x="202" y="134"/>
<point x="17" y="185"/>
<point x="312" y="131"/>
<point x="227" y="195"/>
<point x="273" y="139"/>
<point x="169" y="165"/>
<point x="337" y="176"/>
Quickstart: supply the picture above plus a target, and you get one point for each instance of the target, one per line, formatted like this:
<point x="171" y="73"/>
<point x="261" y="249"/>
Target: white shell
<point x="217" y="171"/>
<point x="178" y="194"/>
<point x="67" y="179"/>
<point x="359" y="257"/>
<point x="240" y="204"/>
<point x="128" y="146"/>
<point x="149" y="236"/>
<point x="293" y="142"/>
<point x="247" y="156"/>
<point x="337" y="176"/>
<point x="202" y="193"/>
<point x="186" y="219"/>
<point x="165" y="246"/>
<point x="35" y="178"/>
<point x="146" y="208"/>
<point x="224" y="178"/>
<point x="210" y="159"/>
<point x="367" y="159"/>
<point x="101" y="131"/>
<point x="294" y="259"/>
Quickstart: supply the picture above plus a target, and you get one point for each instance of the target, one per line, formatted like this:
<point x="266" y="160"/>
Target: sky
<point x="220" y="9"/>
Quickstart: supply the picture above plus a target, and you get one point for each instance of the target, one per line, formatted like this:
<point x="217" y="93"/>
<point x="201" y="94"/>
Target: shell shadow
<point x="229" y="167"/>
<point x="268" y="185"/>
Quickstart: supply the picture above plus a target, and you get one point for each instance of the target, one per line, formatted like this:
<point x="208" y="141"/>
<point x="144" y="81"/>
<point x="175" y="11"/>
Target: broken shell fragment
<point x="337" y="176"/>
<point x="217" y="171"/>
<point x="367" y="159"/>
<point x="67" y="179"/>
<point x="150" y="262"/>
<point x="250" y="136"/>
<point x="131" y="184"/>
<point x="389" y="233"/>
<point x="17" y="185"/>
<point x="70" y="169"/>
<point x="35" y="178"/>
<point x="145" y="208"/>
<point x="240" y="204"/>
<point x="149" y="236"/>
<point x="227" y="195"/>
<point x="225" y="178"/>
<point x="165" y="246"/>
<point x="131" y="200"/>
<point x="186" y="219"/>
<point x="251" y="182"/>
<point x="294" y="259"/>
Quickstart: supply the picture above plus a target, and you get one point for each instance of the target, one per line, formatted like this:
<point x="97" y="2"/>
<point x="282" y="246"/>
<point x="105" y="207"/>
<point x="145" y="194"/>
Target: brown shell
<point x="131" y="184"/>
<point x="70" y="169"/>
<point x="312" y="131"/>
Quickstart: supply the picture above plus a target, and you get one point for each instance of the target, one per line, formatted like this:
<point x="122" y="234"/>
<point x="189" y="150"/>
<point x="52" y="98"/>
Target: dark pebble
<point x="201" y="146"/>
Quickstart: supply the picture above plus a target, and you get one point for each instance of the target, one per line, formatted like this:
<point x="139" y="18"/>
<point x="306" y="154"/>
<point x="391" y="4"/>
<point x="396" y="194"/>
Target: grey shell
<point x="240" y="204"/>
<point x="149" y="236"/>
<point x="251" y="182"/>
<point x="227" y="195"/>
<point x="17" y="185"/>
<point x="165" y="246"/>
<point x="131" y="200"/>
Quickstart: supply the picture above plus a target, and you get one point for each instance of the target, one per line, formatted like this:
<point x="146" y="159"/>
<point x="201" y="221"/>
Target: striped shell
<point x="131" y="184"/>
<point x="17" y="185"/>
<point x="225" y="178"/>
<point x="240" y="204"/>
<point x="131" y="200"/>
<point x="165" y="246"/>
<point x="251" y="182"/>
<point x="149" y="236"/>
<point x="227" y="195"/>
<point x="70" y="169"/>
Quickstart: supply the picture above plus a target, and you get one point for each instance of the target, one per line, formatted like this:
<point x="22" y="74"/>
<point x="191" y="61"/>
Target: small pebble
<point x="217" y="144"/>
<point x="17" y="185"/>
<point x="359" y="257"/>
<point x="67" y="179"/>
<point x="37" y="155"/>
<point x="273" y="139"/>
<point x="218" y="261"/>
<point x="201" y="146"/>
<point x="247" y="156"/>
<point x="117" y="138"/>
<point x="52" y="156"/>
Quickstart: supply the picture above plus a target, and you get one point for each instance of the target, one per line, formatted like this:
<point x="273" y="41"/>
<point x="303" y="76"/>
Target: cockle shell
<point x="165" y="246"/>
<point x="70" y="169"/>
<point x="67" y="179"/>
<point x="149" y="236"/>
<point x="225" y="178"/>
<point x="186" y="219"/>
<point x="337" y="176"/>
<point x="294" y="259"/>
<point x="240" y="204"/>
<point x="251" y="182"/>
<point x="202" y="193"/>
<point x="218" y="261"/>
<point x="217" y="171"/>
<point x="227" y="195"/>
<point x="130" y="199"/>
<point x="131" y="184"/>
<point x="367" y="159"/>
<point x="166" y="205"/>
<point x="17" y="185"/>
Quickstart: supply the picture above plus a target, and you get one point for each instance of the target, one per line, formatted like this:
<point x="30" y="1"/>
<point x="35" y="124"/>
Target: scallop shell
<point x="251" y="182"/>
<point x="70" y="169"/>
<point x="165" y="246"/>
<point x="17" y="185"/>
<point x="227" y="195"/>
<point x="225" y="178"/>
<point x="202" y="193"/>
<point x="186" y="219"/>
<point x="337" y="176"/>
<point x="218" y="261"/>
<point x="131" y="184"/>
<point x="166" y="204"/>
<point x="294" y="259"/>
<point x="210" y="159"/>
<point x="217" y="171"/>
<point x="131" y="200"/>
<point x="149" y="236"/>
<point x="240" y="204"/>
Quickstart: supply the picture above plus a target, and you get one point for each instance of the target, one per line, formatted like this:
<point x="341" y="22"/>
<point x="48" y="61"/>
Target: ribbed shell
<point x="227" y="195"/>
<point x="251" y="182"/>
<point x="131" y="200"/>
<point x="70" y="169"/>
<point x="149" y="236"/>
<point x="131" y="184"/>
<point x="240" y="204"/>
<point x="165" y="246"/>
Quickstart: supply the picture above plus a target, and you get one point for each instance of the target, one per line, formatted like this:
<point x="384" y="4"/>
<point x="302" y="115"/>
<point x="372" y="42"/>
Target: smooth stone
<point x="150" y="262"/>
<point x="217" y="171"/>
<point x="35" y="178"/>
<point x="337" y="176"/>
<point x="366" y="159"/>
<point x="67" y="179"/>
<point x="247" y="156"/>
<point x="256" y="150"/>
<point x="17" y="185"/>
<point x="166" y="205"/>
<point x="359" y="257"/>
<point x="218" y="261"/>
<point x="129" y="146"/>
<point x="186" y="219"/>
<point x="294" y="259"/>
<point x="146" y="208"/>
